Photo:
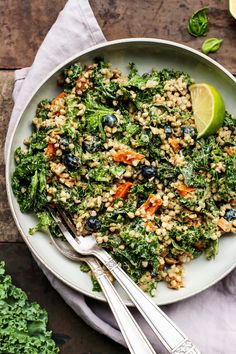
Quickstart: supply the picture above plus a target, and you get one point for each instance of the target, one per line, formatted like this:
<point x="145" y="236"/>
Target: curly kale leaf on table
<point x="23" y="325"/>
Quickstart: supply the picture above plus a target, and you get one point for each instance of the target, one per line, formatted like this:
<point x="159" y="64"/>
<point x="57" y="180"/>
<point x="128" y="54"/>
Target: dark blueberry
<point x="91" y="145"/>
<point x="71" y="161"/>
<point x="230" y="214"/>
<point x="92" y="223"/>
<point x="86" y="145"/>
<point x="65" y="142"/>
<point x="110" y="120"/>
<point x="168" y="130"/>
<point x="188" y="130"/>
<point x="149" y="172"/>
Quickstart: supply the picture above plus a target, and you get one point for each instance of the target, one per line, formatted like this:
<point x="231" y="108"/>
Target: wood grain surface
<point x="8" y="229"/>
<point x="25" y="24"/>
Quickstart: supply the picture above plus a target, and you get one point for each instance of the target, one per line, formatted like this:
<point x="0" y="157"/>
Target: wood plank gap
<point x="4" y="68"/>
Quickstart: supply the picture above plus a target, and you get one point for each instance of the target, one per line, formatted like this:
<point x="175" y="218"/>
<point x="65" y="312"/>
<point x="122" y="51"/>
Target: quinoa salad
<point x="120" y="154"/>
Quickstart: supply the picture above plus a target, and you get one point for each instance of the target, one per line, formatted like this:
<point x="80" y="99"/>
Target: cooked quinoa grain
<point x="120" y="154"/>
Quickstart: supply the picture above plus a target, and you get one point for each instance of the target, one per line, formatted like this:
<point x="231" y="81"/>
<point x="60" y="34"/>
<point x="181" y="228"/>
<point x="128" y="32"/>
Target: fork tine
<point x="57" y="217"/>
<point x="67" y="220"/>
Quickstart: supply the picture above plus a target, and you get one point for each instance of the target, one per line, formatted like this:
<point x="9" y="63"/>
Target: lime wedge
<point x="232" y="8"/>
<point x="208" y="109"/>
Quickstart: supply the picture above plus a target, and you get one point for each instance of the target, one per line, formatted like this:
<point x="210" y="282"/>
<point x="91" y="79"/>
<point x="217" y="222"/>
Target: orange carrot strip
<point x="152" y="204"/>
<point x="183" y="189"/>
<point x="224" y="225"/>
<point x="229" y="150"/>
<point x="61" y="95"/>
<point x="122" y="190"/>
<point x="51" y="149"/>
<point x="233" y="202"/>
<point x="127" y="156"/>
<point x="174" y="144"/>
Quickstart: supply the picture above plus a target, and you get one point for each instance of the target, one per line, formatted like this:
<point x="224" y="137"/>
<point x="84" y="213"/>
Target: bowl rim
<point x="72" y="58"/>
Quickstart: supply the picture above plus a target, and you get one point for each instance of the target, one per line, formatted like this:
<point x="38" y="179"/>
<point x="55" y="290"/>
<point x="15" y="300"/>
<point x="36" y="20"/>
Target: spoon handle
<point x="175" y="341"/>
<point x="136" y="340"/>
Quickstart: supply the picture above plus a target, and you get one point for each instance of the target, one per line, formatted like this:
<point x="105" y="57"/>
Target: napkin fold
<point x="207" y="318"/>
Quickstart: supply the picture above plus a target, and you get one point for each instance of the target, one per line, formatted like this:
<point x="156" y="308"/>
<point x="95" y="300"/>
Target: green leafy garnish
<point x="94" y="116"/>
<point x="198" y="23"/>
<point x="29" y="180"/>
<point x="211" y="45"/>
<point x="70" y="75"/>
<point x="44" y="224"/>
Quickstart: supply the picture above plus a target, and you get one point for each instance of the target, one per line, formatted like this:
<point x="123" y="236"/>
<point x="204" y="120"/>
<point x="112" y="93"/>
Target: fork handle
<point x="132" y="333"/>
<point x="169" y="334"/>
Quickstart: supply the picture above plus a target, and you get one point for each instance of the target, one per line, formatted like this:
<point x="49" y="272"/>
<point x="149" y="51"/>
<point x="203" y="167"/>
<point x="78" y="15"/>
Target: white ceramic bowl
<point x="147" y="54"/>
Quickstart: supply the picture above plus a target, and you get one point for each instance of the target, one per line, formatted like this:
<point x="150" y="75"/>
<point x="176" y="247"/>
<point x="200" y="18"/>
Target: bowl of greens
<point x="135" y="140"/>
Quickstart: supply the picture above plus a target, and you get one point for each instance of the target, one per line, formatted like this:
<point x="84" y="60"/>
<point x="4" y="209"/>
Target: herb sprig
<point x="198" y="23"/>
<point x="211" y="45"/>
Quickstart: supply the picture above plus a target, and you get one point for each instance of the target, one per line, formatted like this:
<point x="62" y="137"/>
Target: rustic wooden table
<point x="24" y="24"/>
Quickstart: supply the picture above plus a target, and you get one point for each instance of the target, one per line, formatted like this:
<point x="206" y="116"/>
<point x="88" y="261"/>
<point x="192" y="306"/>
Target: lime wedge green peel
<point x="208" y="109"/>
<point x="232" y="8"/>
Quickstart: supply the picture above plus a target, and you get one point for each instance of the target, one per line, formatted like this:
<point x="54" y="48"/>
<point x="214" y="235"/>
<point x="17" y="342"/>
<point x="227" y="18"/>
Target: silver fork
<point x="136" y="340"/>
<point x="174" y="340"/>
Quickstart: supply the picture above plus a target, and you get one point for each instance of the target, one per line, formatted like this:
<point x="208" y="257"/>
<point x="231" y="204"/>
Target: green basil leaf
<point x="198" y="22"/>
<point x="211" y="45"/>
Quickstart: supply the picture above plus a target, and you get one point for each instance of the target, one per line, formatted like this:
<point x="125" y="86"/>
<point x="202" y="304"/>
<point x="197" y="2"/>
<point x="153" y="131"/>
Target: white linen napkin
<point x="209" y="318"/>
